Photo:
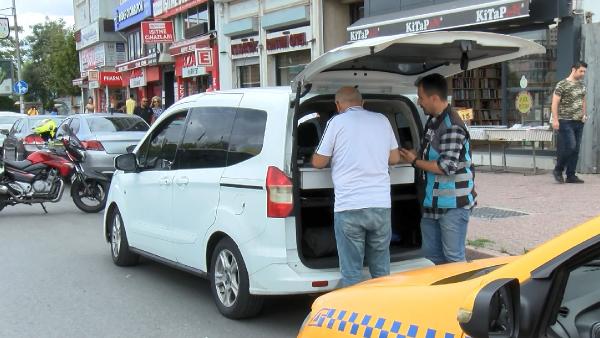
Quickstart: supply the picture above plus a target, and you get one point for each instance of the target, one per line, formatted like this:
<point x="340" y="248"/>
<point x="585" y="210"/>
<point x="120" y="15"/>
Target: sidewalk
<point x="550" y="209"/>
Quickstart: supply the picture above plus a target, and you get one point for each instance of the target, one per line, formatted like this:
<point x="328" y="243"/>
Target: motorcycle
<point x="41" y="178"/>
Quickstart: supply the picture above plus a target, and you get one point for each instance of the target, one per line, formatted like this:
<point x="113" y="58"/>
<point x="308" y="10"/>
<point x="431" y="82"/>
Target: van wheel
<point x="119" y="247"/>
<point x="229" y="282"/>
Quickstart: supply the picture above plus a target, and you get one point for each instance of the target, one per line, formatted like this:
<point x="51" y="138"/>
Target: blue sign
<point x="21" y="88"/>
<point x="132" y="12"/>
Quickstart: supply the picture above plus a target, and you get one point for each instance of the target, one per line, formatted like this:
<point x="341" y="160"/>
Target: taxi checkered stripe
<point x="367" y="326"/>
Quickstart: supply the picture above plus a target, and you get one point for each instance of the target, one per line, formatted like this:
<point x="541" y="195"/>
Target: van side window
<point x="247" y="136"/>
<point x="158" y="151"/>
<point x="206" y="138"/>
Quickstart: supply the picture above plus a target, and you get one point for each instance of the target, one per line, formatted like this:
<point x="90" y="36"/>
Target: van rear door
<point x="392" y="64"/>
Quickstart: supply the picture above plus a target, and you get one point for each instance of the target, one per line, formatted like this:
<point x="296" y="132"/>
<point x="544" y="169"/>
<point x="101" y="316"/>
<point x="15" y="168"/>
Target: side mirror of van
<point x="495" y="311"/>
<point x="126" y="162"/>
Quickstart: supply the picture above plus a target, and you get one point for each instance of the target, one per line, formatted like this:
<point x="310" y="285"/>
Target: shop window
<point x="290" y="64"/>
<point x="249" y="76"/>
<point x="197" y="21"/>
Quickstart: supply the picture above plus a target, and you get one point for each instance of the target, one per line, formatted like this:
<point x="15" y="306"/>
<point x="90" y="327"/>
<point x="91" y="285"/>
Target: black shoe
<point x="574" y="179"/>
<point x="558" y="176"/>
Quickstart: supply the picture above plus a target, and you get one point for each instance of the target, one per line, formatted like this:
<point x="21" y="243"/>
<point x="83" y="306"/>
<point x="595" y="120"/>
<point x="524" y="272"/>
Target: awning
<point x="149" y="60"/>
<point x="190" y="45"/>
<point x="444" y="16"/>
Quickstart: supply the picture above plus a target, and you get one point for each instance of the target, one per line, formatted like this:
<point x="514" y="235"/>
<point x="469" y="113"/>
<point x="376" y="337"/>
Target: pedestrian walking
<point x="32" y="111"/>
<point x="360" y="145"/>
<point x="444" y="159"/>
<point x="568" y="117"/>
<point x="89" y="107"/>
<point x="157" y="109"/>
<point x="144" y="111"/>
<point x="130" y="104"/>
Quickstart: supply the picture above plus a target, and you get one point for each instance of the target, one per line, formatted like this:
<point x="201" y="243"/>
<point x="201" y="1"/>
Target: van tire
<point x="119" y="246"/>
<point x="227" y="270"/>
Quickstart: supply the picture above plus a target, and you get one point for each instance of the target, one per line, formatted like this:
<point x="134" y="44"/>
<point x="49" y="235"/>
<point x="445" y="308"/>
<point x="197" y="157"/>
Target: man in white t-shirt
<point x="361" y="145"/>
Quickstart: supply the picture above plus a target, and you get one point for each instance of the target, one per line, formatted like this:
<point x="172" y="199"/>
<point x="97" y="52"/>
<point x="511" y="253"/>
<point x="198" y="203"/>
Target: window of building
<point x="134" y="43"/>
<point x="249" y="76"/>
<point x="199" y="20"/>
<point x="247" y="135"/>
<point x="357" y="11"/>
<point x="290" y="64"/>
<point x="206" y="138"/>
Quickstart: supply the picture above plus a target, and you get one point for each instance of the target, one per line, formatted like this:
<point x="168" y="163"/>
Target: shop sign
<point x="524" y="102"/>
<point x="137" y="79"/>
<point x="189" y="46"/>
<point x="143" y="62"/>
<point x="79" y="82"/>
<point x="246" y="47"/>
<point x="94" y="84"/>
<point x="190" y="68"/>
<point x="293" y="39"/>
<point x="204" y="57"/>
<point x="131" y="12"/>
<point x="4" y="28"/>
<point x="115" y="53"/>
<point x="93" y="75"/>
<point x="88" y="35"/>
<point x="111" y="79"/>
<point x="157" y="32"/>
<point x="91" y="57"/>
<point x="452" y="18"/>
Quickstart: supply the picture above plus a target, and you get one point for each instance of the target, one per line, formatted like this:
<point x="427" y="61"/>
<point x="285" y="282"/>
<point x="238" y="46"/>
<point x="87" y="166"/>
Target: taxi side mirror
<point x="4" y="132"/>
<point x="126" y="162"/>
<point x="495" y="311"/>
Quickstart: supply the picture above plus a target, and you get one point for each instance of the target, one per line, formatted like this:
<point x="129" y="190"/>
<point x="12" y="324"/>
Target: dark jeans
<point x="569" y="140"/>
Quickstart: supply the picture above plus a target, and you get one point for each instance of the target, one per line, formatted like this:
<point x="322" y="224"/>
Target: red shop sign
<point x="157" y="32"/>
<point x="204" y="57"/>
<point x="110" y="79"/>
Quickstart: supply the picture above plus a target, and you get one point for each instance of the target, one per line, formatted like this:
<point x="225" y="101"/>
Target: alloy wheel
<point x="227" y="278"/>
<point x="115" y="237"/>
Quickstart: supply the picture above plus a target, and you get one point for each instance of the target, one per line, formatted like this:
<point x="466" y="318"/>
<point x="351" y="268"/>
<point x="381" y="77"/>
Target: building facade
<point x="100" y="50"/>
<point x="268" y="42"/>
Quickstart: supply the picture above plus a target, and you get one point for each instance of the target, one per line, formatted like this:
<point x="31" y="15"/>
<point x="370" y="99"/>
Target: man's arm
<point x="584" y="110"/>
<point x="430" y="166"/>
<point x="395" y="157"/>
<point x="320" y="161"/>
<point x="555" y="104"/>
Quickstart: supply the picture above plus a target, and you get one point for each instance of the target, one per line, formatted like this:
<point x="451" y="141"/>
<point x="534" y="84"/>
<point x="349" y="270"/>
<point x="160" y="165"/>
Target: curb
<point x="481" y="253"/>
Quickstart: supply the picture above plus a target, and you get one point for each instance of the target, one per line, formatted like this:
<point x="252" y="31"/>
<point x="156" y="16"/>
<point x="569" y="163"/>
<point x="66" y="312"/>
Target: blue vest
<point x="448" y="191"/>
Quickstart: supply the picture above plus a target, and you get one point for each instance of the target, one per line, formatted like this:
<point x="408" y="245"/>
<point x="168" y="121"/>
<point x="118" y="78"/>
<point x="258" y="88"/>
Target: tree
<point x="52" y="61"/>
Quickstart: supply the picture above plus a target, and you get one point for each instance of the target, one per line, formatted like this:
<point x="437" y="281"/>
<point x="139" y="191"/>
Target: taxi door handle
<point x="182" y="181"/>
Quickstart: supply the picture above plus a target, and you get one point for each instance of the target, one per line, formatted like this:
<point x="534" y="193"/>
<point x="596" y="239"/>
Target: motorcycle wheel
<point x="90" y="196"/>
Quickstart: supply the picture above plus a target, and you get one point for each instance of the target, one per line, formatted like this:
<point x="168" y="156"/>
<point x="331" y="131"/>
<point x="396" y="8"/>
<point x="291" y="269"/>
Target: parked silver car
<point x="21" y="141"/>
<point x="104" y="136"/>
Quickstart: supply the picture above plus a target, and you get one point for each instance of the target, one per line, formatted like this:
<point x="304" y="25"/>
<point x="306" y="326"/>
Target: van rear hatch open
<point x="384" y="69"/>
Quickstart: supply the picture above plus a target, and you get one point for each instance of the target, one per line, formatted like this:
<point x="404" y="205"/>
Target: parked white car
<point x="7" y="119"/>
<point x="221" y="185"/>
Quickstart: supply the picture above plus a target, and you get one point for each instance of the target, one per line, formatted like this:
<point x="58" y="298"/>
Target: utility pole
<point x="18" y="49"/>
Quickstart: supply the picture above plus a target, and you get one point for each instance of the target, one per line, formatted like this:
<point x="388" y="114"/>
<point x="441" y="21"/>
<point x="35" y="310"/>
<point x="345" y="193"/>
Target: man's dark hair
<point x="434" y="84"/>
<point x="131" y="96"/>
<point x="579" y="64"/>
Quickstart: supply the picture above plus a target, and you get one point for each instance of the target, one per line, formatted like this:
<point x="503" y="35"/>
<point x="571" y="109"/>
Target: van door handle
<point x="181" y="181"/>
<point x="165" y="180"/>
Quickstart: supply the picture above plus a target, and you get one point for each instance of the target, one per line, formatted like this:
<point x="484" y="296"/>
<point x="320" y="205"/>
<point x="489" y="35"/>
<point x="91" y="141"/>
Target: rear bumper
<point x="282" y="279"/>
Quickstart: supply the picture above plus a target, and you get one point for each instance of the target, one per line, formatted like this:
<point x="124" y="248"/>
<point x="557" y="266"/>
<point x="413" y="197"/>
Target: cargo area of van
<point x="314" y="193"/>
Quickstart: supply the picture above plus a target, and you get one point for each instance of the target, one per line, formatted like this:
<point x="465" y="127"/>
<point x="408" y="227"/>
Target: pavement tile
<point x="552" y="208"/>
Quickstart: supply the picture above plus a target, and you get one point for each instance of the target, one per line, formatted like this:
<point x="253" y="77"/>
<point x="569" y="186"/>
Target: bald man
<point x="361" y="145"/>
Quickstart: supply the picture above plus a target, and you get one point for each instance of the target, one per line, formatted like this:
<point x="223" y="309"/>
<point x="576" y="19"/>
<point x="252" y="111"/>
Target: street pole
<point x="18" y="49"/>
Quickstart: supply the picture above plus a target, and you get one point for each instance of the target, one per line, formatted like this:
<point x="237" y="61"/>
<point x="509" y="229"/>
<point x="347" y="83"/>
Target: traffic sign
<point x="20" y="88"/>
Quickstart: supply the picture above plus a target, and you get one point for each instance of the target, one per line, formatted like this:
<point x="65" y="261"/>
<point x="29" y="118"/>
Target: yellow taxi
<point x="552" y="291"/>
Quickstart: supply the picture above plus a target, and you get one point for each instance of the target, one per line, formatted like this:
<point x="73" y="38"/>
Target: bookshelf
<point x="480" y="89"/>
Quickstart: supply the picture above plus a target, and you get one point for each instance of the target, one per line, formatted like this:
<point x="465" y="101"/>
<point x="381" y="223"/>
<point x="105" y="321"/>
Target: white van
<point x="221" y="185"/>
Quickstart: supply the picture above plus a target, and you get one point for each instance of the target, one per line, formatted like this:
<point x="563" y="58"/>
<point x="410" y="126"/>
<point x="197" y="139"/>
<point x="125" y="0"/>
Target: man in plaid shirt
<point x="445" y="161"/>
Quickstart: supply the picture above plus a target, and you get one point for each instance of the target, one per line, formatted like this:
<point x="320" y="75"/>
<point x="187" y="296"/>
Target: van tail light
<point x="279" y="194"/>
<point x="92" y="145"/>
<point x="33" y="140"/>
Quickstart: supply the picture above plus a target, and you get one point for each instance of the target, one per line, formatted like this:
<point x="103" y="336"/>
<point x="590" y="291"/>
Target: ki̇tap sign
<point x="157" y="32"/>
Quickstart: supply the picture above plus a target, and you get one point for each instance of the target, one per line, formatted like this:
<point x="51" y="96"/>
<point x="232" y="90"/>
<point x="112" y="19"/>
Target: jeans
<point x="363" y="235"/>
<point x="569" y="141"/>
<point x="444" y="238"/>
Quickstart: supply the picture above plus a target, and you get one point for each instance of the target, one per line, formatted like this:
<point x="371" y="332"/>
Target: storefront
<point x="514" y="93"/>
<point x="291" y="52"/>
<point x="108" y="89"/>
<point x="244" y="53"/>
<point x="142" y="77"/>
<point x="196" y="68"/>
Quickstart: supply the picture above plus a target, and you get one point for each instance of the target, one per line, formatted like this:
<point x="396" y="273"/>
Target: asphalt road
<point x="57" y="280"/>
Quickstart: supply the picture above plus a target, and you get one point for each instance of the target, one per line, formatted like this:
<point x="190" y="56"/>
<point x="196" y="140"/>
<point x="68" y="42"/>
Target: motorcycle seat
<point x="17" y="164"/>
